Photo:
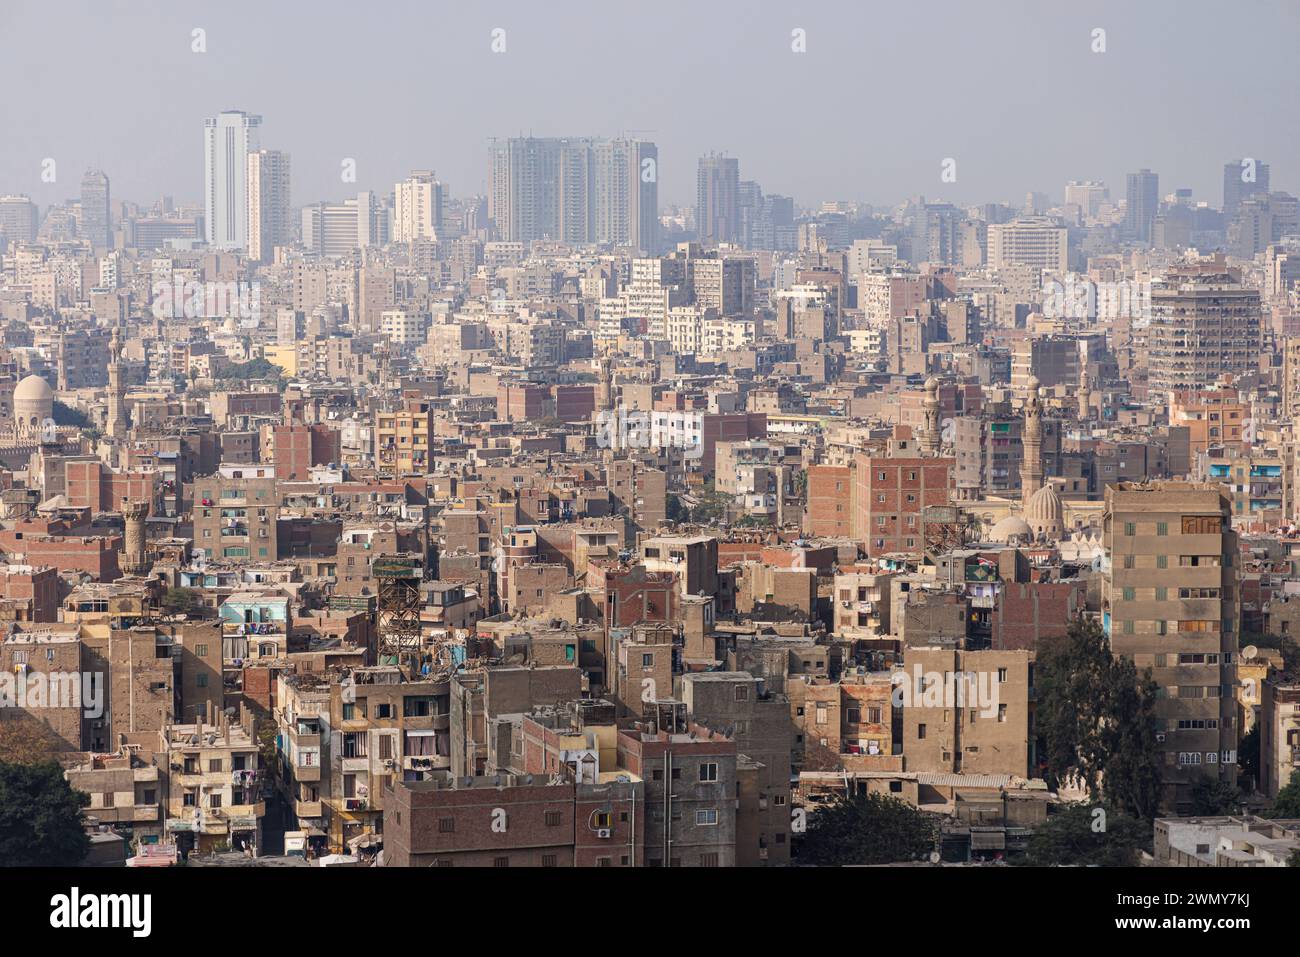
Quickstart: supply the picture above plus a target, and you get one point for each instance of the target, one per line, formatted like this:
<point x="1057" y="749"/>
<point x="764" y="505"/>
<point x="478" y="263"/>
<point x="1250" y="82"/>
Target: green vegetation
<point x="1287" y="803"/>
<point x="258" y="368"/>
<point x="1096" y="716"/>
<point x="1083" y="835"/>
<point x="867" y="829"/>
<point x="181" y="601"/>
<point x="65" y="414"/>
<point x="40" y="817"/>
<point x="1212" y="797"/>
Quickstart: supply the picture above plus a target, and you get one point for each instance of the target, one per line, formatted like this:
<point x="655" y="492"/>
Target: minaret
<point x="1031" y="466"/>
<point x="135" y="559"/>
<point x="1085" y="398"/>
<point x="930" y="435"/>
<point x="117" y="421"/>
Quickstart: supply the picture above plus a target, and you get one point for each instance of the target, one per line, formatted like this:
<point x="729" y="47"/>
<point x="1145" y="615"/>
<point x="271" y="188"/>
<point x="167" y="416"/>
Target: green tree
<point x="1211" y="797"/>
<point x="1248" y="755"/>
<point x="1287" y="803"/>
<point x="1096" y="718"/>
<point x="1085" y="835"/>
<point x="64" y="414"/>
<point x="40" y="817"/>
<point x="181" y="601"/>
<point x="867" y="829"/>
<point x="674" y="510"/>
<point x="1294" y="859"/>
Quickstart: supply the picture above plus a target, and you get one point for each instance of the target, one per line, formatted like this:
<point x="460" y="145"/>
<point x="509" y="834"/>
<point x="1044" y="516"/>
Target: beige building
<point x="1170" y="603"/>
<point x="967" y="712"/>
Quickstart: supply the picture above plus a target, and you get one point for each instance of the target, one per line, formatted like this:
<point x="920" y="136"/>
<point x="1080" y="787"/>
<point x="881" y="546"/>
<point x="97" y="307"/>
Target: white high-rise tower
<point x="227" y="140"/>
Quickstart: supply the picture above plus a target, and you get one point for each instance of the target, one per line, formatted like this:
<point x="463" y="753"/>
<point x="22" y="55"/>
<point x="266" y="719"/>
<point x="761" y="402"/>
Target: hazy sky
<point x="885" y="91"/>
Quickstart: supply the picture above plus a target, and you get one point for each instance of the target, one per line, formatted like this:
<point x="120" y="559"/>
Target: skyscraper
<point x="626" y="185"/>
<point x="1205" y="323"/>
<point x="1242" y="179"/>
<point x="717" y="199"/>
<point x="1143" y="201"/>
<point x="227" y="141"/>
<point x="417" y="207"/>
<point x="581" y="191"/>
<point x="270" y="222"/>
<point x="17" y="220"/>
<point x="95" y="224"/>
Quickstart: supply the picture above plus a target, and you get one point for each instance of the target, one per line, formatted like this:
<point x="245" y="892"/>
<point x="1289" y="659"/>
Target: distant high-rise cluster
<point x="575" y="191"/>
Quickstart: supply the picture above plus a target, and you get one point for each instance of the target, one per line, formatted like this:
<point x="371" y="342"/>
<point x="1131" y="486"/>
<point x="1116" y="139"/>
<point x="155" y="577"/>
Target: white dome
<point x="33" y="389"/>
<point x="1013" y="526"/>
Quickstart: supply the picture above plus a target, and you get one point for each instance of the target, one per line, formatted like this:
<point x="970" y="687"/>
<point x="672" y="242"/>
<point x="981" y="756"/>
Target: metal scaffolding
<point x="398" y="611"/>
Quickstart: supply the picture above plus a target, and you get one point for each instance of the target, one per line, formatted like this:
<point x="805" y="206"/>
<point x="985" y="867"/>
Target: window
<point x="742" y="692"/>
<point x="1130" y="529"/>
<point x="501" y="862"/>
<point x="446" y="825"/>
<point x="548" y="860"/>
<point x="706" y="817"/>
<point x="708" y="772"/>
<point x="1162" y="528"/>
<point x="920" y="732"/>
<point x="552" y="818"/>
<point x="648" y="660"/>
<point x="709" y="860"/>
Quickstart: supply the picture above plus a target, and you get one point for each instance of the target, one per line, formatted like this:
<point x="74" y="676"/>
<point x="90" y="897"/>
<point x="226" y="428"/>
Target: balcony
<point x="309" y="808"/>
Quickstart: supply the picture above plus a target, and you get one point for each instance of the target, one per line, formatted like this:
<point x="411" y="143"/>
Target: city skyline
<point x="1179" y="127"/>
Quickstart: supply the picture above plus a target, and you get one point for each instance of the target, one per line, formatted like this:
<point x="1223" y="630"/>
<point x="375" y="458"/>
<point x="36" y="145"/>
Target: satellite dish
<point x="934" y="857"/>
<point x="1249" y="652"/>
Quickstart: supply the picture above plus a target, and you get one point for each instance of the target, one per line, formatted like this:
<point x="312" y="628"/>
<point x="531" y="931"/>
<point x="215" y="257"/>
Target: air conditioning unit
<point x="1160" y="739"/>
<point x="603" y="832"/>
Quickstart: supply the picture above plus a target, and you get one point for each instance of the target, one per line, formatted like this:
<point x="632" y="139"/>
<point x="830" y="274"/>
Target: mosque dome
<point x="1044" y="512"/>
<point x="33" y="402"/>
<point x="1013" y="526"/>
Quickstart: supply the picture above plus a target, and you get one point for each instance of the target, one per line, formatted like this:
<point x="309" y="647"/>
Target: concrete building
<point x="1170" y="603"/>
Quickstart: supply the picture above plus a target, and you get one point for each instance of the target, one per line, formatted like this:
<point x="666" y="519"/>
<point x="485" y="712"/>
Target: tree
<point x="1096" y="718"/>
<point x="1211" y="797"/>
<point x="64" y="414"/>
<point x="1294" y="859"/>
<point x="24" y="740"/>
<point x="40" y="817"/>
<point x="674" y="510"/>
<point x="1084" y="835"/>
<point x="1248" y="755"/>
<point x="867" y="829"/>
<point x="1287" y="802"/>
<point x="181" y="601"/>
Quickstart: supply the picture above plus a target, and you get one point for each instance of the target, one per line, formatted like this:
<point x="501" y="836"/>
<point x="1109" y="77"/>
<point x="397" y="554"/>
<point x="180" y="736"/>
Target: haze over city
<point x="883" y="94"/>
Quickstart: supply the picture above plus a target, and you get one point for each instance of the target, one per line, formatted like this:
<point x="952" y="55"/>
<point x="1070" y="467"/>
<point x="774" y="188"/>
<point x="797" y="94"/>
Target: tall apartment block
<point x="1170" y="603"/>
<point x="270" y="221"/>
<point x="1205" y="323"/>
<point x="417" y="207"/>
<point x="1242" y="179"/>
<point x="575" y="191"/>
<point x="227" y="140"/>
<point x="717" y="199"/>
<point x="1143" y="200"/>
<point x="95" y="225"/>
